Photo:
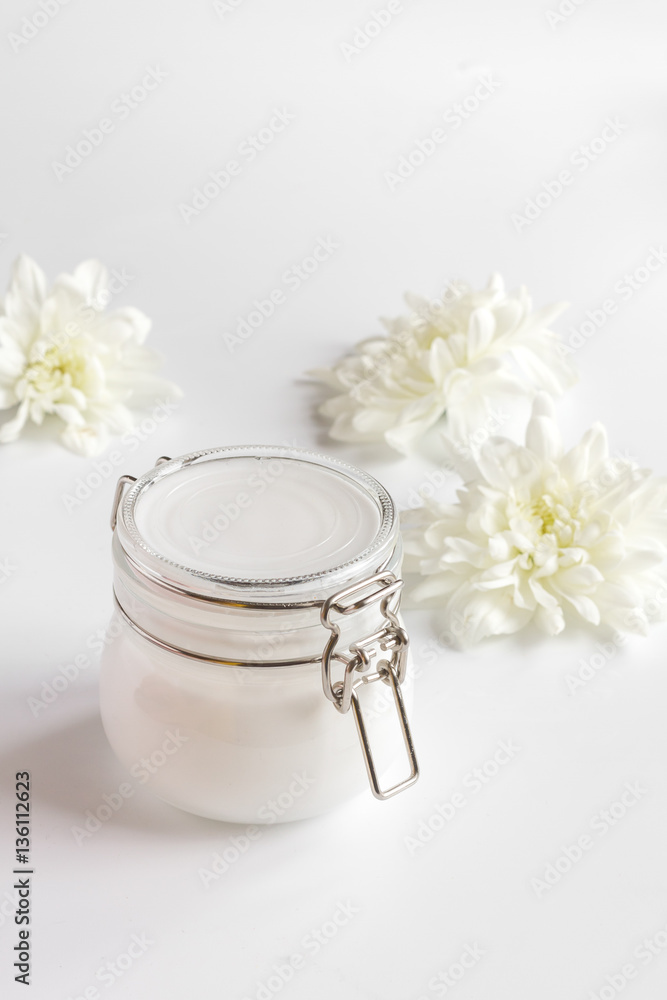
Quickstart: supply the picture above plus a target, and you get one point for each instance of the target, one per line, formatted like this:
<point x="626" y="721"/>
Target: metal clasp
<point x="391" y="639"/>
<point x="120" y="488"/>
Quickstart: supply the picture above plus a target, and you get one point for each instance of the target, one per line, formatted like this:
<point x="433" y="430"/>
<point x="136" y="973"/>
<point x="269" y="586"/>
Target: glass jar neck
<point x="247" y="628"/>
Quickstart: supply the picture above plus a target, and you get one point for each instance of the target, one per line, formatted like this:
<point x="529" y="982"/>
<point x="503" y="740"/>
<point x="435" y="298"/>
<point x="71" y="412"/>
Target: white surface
<point x="321" y="181"/>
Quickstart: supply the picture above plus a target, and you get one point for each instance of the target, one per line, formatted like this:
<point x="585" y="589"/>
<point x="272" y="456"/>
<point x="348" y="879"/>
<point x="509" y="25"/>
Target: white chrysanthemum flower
<point x="448" y="358"/>
<point x="61" y="354"/>
<point x="539" y="535"/>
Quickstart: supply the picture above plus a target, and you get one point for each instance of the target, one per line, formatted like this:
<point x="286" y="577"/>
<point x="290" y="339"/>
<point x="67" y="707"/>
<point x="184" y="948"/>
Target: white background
<point x="324" y="176"/>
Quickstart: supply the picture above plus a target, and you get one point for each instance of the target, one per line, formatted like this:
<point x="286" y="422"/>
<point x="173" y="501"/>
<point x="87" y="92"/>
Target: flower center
<point x="542" y="509"/>
<point x="545" y="526"/>
<point x="57" y="367"/>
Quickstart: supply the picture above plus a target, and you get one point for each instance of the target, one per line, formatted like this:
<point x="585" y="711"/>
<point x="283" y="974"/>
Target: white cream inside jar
<point x="234" y="569"/>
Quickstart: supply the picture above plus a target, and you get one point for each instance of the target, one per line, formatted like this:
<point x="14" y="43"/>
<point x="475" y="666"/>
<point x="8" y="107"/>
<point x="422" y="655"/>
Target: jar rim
<point x="177" y="575"/>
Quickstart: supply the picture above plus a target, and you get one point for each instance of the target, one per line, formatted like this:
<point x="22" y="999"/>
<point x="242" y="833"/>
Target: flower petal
<point x="86" y="439"/>
<point x="24" y="298"/>
<point x="543" y="438"/>
<point x="11" y="429"/>
<point x="481" y="330"/>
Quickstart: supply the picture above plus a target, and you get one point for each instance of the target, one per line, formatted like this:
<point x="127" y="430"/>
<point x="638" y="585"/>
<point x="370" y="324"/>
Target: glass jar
<point x="256" y="615"/>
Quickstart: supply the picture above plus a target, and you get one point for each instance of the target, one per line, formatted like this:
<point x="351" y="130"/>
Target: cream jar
<point x="258" y="654"/>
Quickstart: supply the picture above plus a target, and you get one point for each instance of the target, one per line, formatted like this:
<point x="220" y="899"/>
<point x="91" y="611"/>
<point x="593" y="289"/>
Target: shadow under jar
<point x="254" y="667"/>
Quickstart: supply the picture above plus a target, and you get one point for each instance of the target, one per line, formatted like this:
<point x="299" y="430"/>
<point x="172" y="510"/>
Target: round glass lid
<point x="256" y="516"/>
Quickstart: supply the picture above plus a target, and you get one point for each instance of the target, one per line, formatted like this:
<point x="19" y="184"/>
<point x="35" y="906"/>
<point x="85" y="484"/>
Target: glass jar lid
<point x="283" y="523"/>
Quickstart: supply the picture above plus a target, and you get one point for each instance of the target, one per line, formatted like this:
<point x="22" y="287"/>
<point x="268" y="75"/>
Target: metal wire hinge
<point x="389" y="644"/>
<point x="120" y="489"/>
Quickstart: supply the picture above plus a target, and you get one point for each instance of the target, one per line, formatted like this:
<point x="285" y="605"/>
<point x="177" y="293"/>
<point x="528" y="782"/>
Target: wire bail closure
<point x="120" y="489"/>
<point x="391" y="639"/>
